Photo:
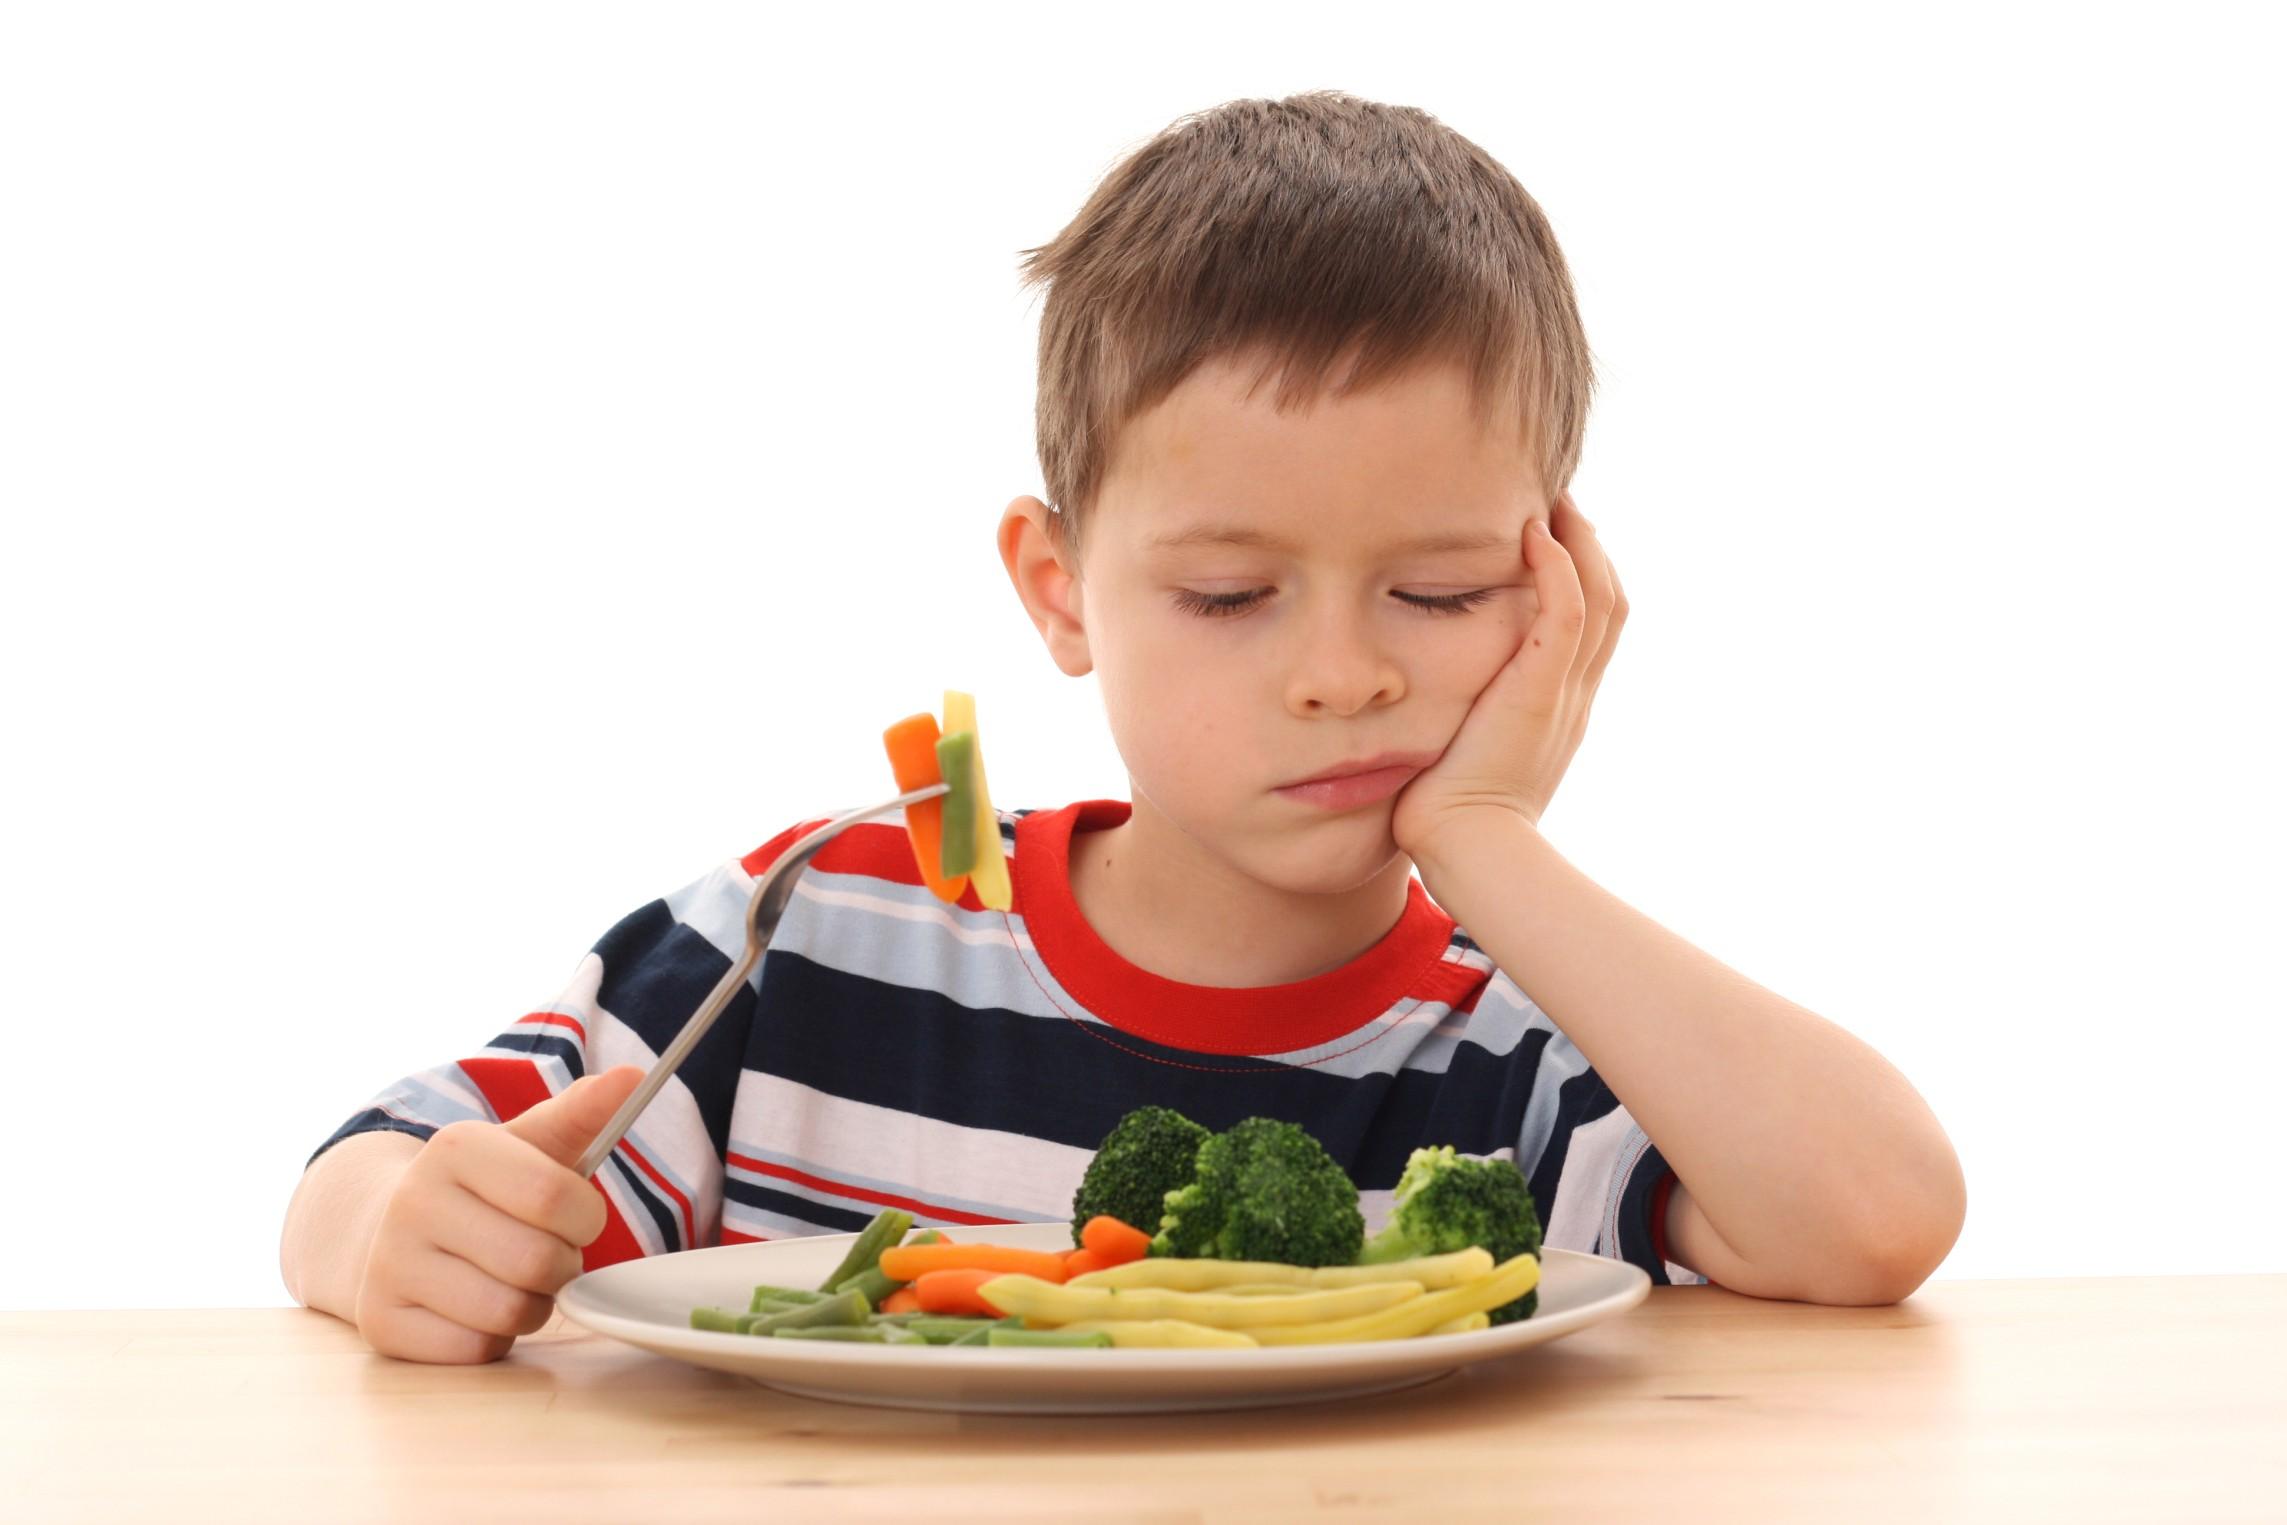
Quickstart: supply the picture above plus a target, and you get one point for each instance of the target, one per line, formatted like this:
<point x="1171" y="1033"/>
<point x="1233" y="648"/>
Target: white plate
<point x="648" y="1303"/>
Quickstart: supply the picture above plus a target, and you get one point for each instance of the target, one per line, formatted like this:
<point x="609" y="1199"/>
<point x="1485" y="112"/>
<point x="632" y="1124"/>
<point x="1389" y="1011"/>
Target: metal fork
<point x="763" y="908"/>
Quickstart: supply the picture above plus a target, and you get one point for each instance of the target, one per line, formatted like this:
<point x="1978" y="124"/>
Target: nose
<point x="1339" y="666"/>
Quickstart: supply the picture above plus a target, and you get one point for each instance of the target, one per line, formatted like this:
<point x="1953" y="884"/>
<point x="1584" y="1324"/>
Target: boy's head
<point x="1337" y="327"/>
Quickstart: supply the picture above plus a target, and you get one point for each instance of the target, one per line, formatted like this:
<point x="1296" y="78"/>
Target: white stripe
<point x="934" y="1160"/>
<point x="1575" y="1220"/>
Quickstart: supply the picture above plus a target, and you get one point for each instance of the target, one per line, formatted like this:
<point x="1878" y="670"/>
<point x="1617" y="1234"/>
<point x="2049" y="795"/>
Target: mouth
<point x="1361" y="781"/>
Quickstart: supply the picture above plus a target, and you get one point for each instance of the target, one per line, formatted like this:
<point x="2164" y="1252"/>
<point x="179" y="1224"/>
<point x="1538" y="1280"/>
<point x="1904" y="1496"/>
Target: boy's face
<point x="1307" y="525"/>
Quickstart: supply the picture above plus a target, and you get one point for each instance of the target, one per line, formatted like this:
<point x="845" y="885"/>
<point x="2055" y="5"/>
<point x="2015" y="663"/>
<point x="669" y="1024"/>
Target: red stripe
<point x="875" y="849"/>
<point x="1660" y="1215"/>
<point x="858" y="1193"/>
<point x="556" y="1019"/>
<point x="733" y="1236"/>
<point x="690" y="1234"/>
<point x="512" y="1087"/>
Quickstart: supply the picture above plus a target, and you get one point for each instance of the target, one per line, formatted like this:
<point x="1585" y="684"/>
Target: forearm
<point x="331" y="1219"/>
<point x="1809" y="1154"/>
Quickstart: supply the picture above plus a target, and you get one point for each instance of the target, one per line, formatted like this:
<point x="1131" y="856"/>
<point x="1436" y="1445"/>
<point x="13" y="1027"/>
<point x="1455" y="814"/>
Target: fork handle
<point x="790" y="861"/>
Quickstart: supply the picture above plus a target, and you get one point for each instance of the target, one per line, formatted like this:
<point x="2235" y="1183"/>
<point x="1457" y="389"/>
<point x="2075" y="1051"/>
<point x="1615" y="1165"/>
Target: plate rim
<point x="577" y="1303"/>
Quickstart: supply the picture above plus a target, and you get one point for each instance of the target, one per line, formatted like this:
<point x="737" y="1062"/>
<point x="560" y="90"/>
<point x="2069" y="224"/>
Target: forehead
<point x="1404" y="465"/>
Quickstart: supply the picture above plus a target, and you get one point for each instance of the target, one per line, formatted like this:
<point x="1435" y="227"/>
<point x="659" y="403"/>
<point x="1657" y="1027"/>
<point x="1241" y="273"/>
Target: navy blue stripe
<point x="915" y="1051"/>
<point x="371" y="1120"/>
<point x="830" y="1220"/>
<point x="662" y="1212"/>
<point x="657" y="971"/>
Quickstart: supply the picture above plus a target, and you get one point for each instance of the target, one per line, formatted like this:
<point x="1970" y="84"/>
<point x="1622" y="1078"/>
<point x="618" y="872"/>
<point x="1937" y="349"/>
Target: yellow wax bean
<point x="990" y="873"/>
<point x="1161" y="1333"/>
<point x="1047" y="1303"/>
<point x="1511" y="1279"/>
<point x="1468" y="1323"/>
<point x="1432" y="1271"/>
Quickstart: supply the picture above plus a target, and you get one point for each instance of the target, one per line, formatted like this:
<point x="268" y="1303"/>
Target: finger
<point x="567" y="1122"/>
<point x="513" y="1177"/>
<point x="410" y="1332"/>
<point x="1611" y="642"/>
<point x="1554" y="636"/>
<point x="536" y="1260"/>
<point x="455" y="1290"/>
<point x="1596" y="585"/>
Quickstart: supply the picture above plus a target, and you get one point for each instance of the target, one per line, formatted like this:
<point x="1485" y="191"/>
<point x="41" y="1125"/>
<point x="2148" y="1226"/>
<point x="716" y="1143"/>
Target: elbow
<point x="1896" y="1254"/>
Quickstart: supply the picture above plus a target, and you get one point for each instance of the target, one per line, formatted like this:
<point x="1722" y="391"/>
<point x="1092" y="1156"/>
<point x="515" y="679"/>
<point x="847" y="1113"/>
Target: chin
<point x="1329" y="857"/>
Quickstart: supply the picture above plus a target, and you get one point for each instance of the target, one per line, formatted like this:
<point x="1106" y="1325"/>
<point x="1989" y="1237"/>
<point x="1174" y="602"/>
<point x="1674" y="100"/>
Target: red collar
<point x="1214" y="1019"/>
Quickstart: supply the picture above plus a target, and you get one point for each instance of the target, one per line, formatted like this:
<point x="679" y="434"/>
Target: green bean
<point x="975" y="1336"/>
<point x="844" y="1308"/>
<point x="945" y="1329"/>
<point x="872" y="1283"/>
<point x="1093" y="1340"/>
<point x="846" y="1332"/>
<point x="888" y="1227"/>
<point x="717" y="1320"/>
<point x="770" y="1294"/>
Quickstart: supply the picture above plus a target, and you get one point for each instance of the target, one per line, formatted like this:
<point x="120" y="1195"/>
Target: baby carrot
<point x="903" y="1300"/>
<point x="912" y="748"/>
<point x="1081" y="1262"/>
<point x="1112" y="1242"/>
<point x="954" y="1292"/>
<point x="907" y="1262"/>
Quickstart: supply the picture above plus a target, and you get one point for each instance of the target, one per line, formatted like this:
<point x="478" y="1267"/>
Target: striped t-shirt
<point x="896" y="1050"/>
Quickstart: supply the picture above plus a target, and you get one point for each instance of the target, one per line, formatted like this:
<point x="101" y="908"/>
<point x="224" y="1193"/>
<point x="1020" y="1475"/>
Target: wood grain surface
<point x="2161" y="1399"/>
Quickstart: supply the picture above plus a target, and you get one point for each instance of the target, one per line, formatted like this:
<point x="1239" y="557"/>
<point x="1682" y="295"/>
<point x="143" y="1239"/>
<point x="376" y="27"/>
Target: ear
<point x="1047" y="581"/>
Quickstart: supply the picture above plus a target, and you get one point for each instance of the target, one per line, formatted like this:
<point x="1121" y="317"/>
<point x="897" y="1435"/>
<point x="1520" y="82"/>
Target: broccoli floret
<point x="1264" y="1190"/>
<point x="1149" y="1153"/>
<point x="1447" y="1202"/>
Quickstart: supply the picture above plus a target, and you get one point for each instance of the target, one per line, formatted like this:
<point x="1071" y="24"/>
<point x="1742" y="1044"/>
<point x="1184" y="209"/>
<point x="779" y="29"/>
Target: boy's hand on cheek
<point x="1520" y="733"/>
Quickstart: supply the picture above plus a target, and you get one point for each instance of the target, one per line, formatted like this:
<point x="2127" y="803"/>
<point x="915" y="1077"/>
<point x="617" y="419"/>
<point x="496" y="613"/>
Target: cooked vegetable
<point x="1264" y="1189"/>
<point x="1510" y="1280"/>
<point x="841" y="1308"/>
<point x="907" y="1261"/>
<point x="903" y="1300"/>
<point x="1447" y="1201"/>
<point x="1162" y="1334"/>
<point x="990" y="872"/>
<point x="1112" y="1241"/>
<point x="955" y="1292"/>
<point x="1432" y="1271"/>
<point x="1046" y="1337"/>
<point x="1149" y="1152"/>
<point x="888" y="1227"/>
<point x="1042" y="1303"/>
<point x="912" y="748"/>
<point x="957" y="762"/>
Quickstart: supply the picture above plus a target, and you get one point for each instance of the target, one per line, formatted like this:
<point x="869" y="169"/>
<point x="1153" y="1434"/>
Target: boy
<point x="1345" y="632"/>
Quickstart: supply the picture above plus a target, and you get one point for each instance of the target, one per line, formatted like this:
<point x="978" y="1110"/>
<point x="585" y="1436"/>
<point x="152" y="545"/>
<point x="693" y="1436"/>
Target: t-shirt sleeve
<point x="1600" y="1183"/>
<point x="626" y="1000"/>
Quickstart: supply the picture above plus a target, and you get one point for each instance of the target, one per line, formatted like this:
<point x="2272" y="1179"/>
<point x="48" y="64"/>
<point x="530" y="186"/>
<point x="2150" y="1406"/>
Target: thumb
<point x="568" y="1121"/>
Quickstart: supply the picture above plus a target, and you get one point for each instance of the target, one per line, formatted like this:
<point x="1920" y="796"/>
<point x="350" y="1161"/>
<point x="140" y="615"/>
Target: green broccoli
<point x="1447" y="1202"/>
<point x="1149" y="1153"/>
<point x="1265" y="1190"/>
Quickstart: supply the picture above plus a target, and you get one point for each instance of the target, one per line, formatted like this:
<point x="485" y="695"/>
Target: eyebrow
<point x="1230" y="534"/>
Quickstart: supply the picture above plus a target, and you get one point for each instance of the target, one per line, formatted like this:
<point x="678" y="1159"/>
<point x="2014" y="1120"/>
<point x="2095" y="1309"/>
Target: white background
<point x="468" y="469"/>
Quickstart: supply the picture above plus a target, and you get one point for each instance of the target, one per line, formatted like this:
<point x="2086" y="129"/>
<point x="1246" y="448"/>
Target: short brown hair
<point x="1294" y="229"/>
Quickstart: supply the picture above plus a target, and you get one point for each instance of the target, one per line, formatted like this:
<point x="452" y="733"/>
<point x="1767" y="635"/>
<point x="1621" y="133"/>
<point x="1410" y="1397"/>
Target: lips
<point x="1413" y="760"/>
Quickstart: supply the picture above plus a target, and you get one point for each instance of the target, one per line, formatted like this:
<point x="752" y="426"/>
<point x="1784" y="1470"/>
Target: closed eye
<point x="1214" y="604"/>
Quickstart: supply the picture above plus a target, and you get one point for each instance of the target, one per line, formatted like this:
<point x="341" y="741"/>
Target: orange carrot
<point x="1081" y="1262"/>
<point x="954" y="1292"/>
<point x="903" y="1300"/>
<point x="906" y="1262"/>
<point x="912" y="748"/>
<point x="1113" y="1242"/>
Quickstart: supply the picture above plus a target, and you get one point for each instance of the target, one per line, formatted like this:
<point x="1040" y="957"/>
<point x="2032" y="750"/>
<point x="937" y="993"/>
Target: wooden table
<point x="2152" y="1399"/>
